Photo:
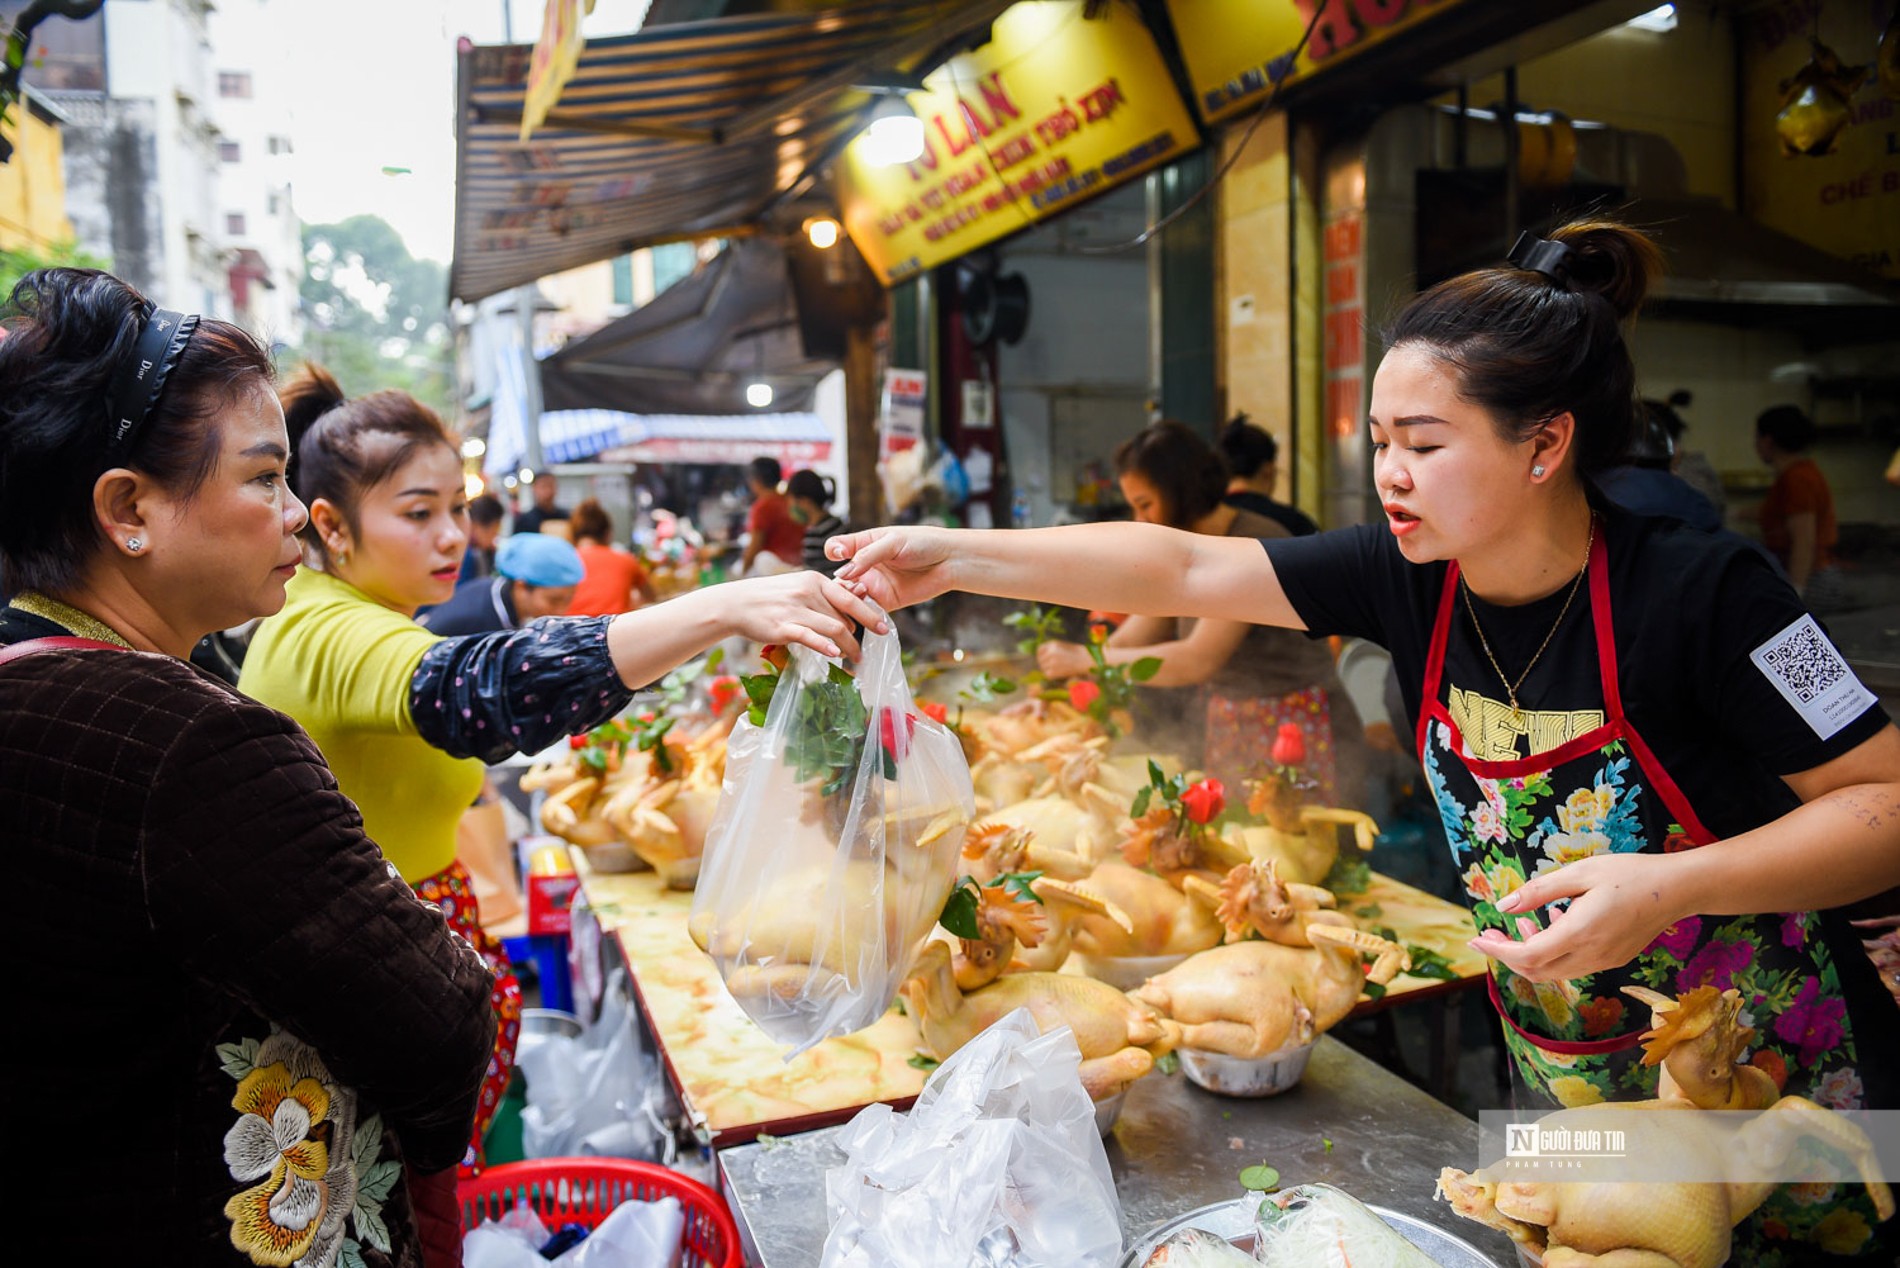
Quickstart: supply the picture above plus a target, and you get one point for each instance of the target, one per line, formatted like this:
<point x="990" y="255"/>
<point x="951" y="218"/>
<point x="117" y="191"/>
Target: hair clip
<point x="1541" y="255"/>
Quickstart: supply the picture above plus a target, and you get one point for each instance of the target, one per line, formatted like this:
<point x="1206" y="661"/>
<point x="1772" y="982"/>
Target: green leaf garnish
<point x="1260" y="1179"/>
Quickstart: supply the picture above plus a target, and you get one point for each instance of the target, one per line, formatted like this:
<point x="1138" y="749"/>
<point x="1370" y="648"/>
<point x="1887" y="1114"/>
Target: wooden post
<point x="860" y="425"/>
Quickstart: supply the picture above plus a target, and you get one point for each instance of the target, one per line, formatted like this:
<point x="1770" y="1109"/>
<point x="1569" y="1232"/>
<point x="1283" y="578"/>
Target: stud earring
<point x="134" y="544"/>
<point x="1537" y="472"/>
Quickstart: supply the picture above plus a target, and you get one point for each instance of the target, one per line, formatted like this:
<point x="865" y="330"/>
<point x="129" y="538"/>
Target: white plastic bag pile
<point x="1000" y="1153"/>
<point x="634" y="1235"/>
<point x="588" y="1096"/>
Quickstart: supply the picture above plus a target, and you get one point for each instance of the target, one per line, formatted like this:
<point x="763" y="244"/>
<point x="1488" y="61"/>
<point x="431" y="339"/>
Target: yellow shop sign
<point x="1055" y="109"/>
<point x="1234" y="48"/>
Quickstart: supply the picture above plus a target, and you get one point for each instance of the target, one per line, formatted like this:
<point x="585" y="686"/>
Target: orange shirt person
<point x="615" y="580"/>
<point x="1797" y="516"/>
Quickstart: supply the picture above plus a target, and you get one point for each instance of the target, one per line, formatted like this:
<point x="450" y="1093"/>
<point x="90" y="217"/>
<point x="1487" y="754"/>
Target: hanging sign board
<point x="1845" y="201"/>
<point x="902" y="416"/>
<point x="1234" y="48"/>
<point x="1055" y="109"/>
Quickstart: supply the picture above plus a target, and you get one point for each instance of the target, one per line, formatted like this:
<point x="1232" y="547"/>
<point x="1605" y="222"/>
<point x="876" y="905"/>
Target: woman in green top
<point x="405" y="718"/>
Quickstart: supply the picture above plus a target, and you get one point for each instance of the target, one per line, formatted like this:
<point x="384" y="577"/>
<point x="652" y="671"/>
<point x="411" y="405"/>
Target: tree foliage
<point x="17" y="262"/>
<point x="376" y="315"/>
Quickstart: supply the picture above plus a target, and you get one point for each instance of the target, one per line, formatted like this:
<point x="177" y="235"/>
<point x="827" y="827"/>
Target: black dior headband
<point x="141" y="377"/>
<point x="1540" y="255"/>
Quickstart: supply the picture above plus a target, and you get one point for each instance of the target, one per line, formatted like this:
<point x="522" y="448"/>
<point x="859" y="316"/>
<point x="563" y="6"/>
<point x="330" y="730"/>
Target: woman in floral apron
<point x="1652" y="765"/>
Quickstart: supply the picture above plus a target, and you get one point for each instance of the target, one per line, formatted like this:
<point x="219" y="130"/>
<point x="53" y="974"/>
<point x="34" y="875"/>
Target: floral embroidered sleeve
<point x="516" y="691"/>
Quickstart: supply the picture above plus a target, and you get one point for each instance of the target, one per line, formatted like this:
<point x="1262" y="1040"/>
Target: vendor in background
<point x="1615" y="713"/>
<point x="1257" y="678"/>
<point x="545" y="509"/>
<point x="535" y="576"/>
<point x="1252" y="457"/>
<point x="615" y="580"/>
<point x="484" y="535"/>
<point x="1797" y="516"/>
<point x="811" y="496"/>
<point x="405" y="717"/>
<point x="212" y="930"/>
<point x="770" y="528"/>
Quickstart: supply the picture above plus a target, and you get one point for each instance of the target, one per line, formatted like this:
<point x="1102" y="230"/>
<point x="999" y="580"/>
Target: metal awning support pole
<point x="525" y="297"/>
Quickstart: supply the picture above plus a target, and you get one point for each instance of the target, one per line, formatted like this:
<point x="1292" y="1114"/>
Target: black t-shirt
<point x="1704" y="630"/>
<point x="1290" y="518"/>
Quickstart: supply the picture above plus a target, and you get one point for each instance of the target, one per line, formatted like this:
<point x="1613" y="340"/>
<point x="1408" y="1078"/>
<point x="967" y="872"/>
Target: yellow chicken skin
<point x="1119" y="1038"/>
<point x="1251" y="999"/>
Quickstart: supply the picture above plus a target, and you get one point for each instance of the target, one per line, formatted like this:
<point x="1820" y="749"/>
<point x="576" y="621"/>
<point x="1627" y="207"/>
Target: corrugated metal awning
<point x="691" y="130"/>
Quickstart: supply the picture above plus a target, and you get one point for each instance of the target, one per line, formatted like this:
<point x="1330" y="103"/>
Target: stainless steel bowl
<point x="1245" y="1076"/>
<point x="546" y="1023"/>
<point x="1235" y="1221"/>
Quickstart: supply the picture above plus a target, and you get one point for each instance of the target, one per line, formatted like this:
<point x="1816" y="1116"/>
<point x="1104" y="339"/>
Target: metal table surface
<point x="1177" y="1148"/>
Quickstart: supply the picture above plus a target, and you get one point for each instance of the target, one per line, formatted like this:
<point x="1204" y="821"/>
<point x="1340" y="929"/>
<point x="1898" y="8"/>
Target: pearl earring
<point x="1537" y="472"/>
<point x="134" y="544"/>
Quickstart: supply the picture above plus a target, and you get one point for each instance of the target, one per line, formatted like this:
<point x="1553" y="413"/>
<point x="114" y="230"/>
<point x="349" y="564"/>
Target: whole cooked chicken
<point x="1697" y="1039"/>
<point x="1016" y="934"/>
<point x="1166" y="921"/>
<point x="1119" y="1038"/>
<point x="1250" y="999"/>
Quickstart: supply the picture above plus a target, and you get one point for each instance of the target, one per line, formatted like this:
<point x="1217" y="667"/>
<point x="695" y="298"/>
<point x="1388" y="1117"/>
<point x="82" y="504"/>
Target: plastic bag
<point x="834" y="847"/>
<point x="1318" y="1226"/>
<point x="589" y="1095"/>
<point x="1000" y="1153"/>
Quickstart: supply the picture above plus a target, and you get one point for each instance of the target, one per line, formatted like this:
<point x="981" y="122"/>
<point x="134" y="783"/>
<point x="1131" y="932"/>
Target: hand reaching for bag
<point x="896" y="567"/>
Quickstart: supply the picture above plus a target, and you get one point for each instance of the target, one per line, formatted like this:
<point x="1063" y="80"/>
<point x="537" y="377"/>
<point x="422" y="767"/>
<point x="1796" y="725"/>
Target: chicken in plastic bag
<point x="1318" y="1226"/>
<point x="997" y="1163"/>
<point x="835" y="844"/>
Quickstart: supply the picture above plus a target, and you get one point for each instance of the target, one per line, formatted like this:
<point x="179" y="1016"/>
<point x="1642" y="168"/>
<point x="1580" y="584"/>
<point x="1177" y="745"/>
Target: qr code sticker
<point x="1803" y="665"/>
<point x="1805" y="661"/>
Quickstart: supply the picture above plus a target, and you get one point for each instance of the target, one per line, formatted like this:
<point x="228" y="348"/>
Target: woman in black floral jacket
<point x="250" y="1043"/>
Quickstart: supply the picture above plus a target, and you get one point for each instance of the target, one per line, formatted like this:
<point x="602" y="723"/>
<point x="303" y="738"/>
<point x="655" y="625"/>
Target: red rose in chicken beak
<point x="936" y="712"/>
<point x="1289" y="745"/>
<point x="1204" y="800"/>
<point x="723" y="690"/>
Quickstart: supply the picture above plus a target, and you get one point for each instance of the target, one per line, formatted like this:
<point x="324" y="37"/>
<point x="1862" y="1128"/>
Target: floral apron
<point x="1578" y="1042"/>
<point x="453" y="891"/>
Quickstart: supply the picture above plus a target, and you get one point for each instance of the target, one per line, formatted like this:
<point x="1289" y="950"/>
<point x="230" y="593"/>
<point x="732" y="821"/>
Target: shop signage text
<point x="1054" y="109"/>
<point x="1236" y="49"/>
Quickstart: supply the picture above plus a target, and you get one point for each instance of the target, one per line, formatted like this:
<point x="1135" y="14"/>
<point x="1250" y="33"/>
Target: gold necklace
<point x="80" y="623"/>
<point x="1510" y="688"/>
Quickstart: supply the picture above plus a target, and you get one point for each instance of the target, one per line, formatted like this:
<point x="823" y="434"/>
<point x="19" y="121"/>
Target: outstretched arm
<point x="1140" y="568"/>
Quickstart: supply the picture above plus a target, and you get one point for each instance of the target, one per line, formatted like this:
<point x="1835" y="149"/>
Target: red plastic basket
<point x="586" y="1190"/>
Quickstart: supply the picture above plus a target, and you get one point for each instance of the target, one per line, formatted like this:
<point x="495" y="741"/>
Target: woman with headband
<point x="248" y="1042"/>
<point x="1653" y="767"/>
<point x="406" y="717"/>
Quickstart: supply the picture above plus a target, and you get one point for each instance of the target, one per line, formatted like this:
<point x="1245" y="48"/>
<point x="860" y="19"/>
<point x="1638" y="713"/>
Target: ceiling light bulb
<point x="895" y="135"/>
<point x="758" y="395"/>
<point x="823" y="232"/>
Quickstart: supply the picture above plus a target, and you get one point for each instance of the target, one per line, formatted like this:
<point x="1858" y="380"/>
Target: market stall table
<point x="730" y="1077"/>
<point x="1176" y="1148"/>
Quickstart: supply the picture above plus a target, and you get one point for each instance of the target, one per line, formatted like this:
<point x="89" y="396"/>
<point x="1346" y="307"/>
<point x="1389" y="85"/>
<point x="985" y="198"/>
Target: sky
<point x="372" y="85"/>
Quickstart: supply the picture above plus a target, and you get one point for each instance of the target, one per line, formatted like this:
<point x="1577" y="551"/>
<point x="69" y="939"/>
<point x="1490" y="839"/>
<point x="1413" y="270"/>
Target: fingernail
<point x="1507" y="903"/>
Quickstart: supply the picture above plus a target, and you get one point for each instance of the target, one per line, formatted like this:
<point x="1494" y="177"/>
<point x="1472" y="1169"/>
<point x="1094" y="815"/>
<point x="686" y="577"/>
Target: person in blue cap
<point x="535" y="576"/>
